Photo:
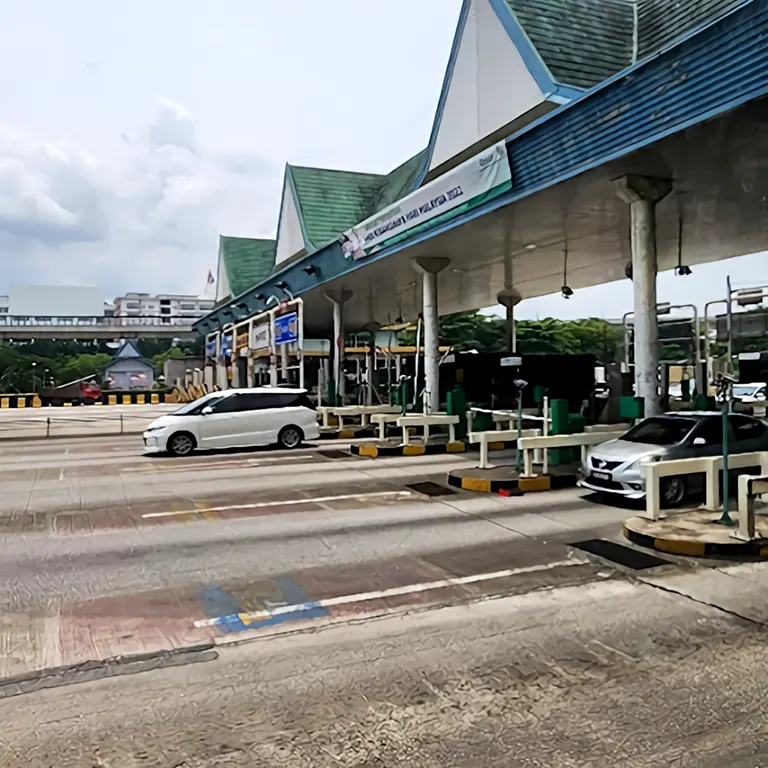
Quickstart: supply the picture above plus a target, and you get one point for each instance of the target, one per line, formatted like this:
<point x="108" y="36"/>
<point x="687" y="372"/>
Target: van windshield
<point x="193" y="408"/>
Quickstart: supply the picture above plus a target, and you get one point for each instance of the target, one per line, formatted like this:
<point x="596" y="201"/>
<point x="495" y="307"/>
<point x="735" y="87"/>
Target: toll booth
<point x="485" y="380"/>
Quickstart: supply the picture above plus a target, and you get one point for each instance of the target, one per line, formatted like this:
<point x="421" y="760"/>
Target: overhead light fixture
<point x="530" y="247"/>
<point x="566" y="290"/>
<point x="259" y="297"/>
<point x="282" y="285"/>
<point x="310" y="269"/>
<point x="681" y="269"/>
<point x="399" y="320"/>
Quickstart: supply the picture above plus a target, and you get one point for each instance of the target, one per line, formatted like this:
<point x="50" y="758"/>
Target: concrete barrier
<point x="581" y="440"/>
<point x="425" y="421"/>
<point x="501" y="436"/>
<point x="750" y="487"/>
<point x="710" y="466"/>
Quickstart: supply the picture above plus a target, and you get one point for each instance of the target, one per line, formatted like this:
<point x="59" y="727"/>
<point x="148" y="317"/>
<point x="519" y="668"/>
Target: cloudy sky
<point x="132" y="134"/>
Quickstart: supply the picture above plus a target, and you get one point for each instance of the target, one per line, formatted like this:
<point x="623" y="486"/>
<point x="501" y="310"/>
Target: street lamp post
<point x="34" y="378"/>
<point x="725" y="391"/>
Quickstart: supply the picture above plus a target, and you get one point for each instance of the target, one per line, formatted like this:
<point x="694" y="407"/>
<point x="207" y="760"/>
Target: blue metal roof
<point x="711" y="71"/>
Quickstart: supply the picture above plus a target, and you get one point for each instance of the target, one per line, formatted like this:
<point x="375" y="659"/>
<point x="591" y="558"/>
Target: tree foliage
<point x="28" y="367"/>
<point x="486" y="333"/>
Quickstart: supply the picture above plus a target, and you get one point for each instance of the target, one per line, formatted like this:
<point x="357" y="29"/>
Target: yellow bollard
<point x="21" y="402"/>
<point x="112" y="399"/>
<point x="37" y="402"/>
<point x="5" y="402"/>
<point x="140" y="399"/>
<point x="126" y="399"/>
<point x="154" y="398"/>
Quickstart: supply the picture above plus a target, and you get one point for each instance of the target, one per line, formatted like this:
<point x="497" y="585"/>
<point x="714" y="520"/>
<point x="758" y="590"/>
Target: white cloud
<point x="147" y="218"/>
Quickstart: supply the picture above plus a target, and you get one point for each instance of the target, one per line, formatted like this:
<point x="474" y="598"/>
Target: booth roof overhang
<point x="689" y="114"/>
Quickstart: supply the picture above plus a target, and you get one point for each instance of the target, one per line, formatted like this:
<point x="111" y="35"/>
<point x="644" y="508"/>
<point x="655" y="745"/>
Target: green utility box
<point x="456" y="405"/>
<point x="564" y="423"/>
<point x="482" y="422"/>
<point x="402" y="395"/>
<point x="330" y="392"/>
<point x="631" y="408"/>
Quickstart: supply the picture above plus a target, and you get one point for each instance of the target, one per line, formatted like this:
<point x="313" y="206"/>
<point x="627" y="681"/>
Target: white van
<point x="236" y="418"/>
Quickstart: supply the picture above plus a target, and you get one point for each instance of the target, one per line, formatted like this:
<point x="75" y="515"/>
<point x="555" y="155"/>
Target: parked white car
<point x="236" y="418"/>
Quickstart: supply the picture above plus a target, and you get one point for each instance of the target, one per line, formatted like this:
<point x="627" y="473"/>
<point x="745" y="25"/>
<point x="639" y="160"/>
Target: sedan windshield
<point x="659" y="431"/>
<point x="191" y="409"/>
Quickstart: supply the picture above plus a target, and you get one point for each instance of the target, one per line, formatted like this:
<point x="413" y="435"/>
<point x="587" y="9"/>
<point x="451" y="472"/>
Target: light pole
<point x="725" y="391"/>
<point x="34" y="378"/>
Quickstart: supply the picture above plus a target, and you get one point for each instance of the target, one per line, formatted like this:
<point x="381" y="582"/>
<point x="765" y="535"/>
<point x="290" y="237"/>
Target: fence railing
<point x="96" y="321"/>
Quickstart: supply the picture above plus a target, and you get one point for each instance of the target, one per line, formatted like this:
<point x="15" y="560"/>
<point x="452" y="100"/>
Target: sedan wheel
<point x="672" y="491"/>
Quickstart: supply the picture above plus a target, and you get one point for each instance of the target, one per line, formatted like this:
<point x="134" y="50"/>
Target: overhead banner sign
<point x="287" y="328"/>
<point x="226" y="344"/>
<point x="474" y="181"/>
<point x="260" y="336"/>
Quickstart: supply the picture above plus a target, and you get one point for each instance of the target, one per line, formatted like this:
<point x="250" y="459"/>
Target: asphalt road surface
<point x="345" y="618"/>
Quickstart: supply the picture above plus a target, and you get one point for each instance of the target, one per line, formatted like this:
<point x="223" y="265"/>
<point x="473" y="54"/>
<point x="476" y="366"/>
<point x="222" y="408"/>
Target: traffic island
<point x="389" y="448"/>
<point x="506" y="481"/>
<point x="696" y="534"/>
<point x="351" y="432"/>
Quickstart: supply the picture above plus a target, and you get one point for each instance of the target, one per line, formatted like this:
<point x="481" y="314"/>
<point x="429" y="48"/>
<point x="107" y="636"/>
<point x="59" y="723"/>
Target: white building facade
<point x="163" y="309"/>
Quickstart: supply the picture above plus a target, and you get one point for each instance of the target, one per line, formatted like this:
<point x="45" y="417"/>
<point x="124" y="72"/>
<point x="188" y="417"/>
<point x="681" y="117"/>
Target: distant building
<point x="41" y="302"/>
<point x="128" y="369"/>
<point x="163" y="309"/>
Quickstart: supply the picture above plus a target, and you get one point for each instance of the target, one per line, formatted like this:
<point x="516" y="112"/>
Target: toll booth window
<point x="659" y="431"/>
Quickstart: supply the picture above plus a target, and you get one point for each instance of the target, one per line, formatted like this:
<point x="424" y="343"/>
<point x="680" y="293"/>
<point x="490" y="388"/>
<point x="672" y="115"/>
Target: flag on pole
<point x="209" y="285"/>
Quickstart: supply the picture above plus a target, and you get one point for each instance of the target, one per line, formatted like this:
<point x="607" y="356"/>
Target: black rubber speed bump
<point x="431" y="489"/>
<point x="620" y="554"/>
<point x="334" y="454"/>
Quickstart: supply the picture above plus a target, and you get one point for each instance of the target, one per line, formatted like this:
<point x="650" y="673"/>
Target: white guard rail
<point x="426" y="421"/>
<point x="750" y="488"/>
<point x="710" y="466"/>
<point x="581" y="440"/>
<point x="350" y="411"/>
<point x="497" y="436"/>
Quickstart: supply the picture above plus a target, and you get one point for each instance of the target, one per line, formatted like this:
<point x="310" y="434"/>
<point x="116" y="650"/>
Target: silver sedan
<point x="616" y="466"/>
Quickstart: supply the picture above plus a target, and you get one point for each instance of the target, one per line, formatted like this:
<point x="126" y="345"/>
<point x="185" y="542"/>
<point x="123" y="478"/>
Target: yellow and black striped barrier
<point x="33" y="400"/>
<point x="29" y="400"/>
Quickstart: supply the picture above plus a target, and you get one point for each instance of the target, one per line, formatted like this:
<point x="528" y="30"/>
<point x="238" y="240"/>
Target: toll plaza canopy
<point x="544" y="106"/>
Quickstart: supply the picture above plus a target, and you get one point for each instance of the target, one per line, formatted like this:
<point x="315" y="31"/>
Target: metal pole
<point x="431" y="343"/>
<point x="729" y="325"/>
<point x="725" y="390"/>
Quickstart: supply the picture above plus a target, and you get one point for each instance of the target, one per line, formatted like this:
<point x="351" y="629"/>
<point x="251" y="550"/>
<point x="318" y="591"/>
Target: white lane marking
<point x="222" y="464"/>
<point x="61" y="475"/>
<point x="286" y="502"/>
<point x="362" y="597"/>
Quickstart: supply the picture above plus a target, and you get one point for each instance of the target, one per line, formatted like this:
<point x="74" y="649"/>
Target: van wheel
<point x="290" y="437"/>
<point x="181" y="444"/>
<point x="672" y="490"/>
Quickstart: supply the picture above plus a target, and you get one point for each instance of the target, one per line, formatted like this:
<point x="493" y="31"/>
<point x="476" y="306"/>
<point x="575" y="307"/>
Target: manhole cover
<point x="431" y="489"/>
<point x="335" y="454"/>
<point x="618" y="553"/>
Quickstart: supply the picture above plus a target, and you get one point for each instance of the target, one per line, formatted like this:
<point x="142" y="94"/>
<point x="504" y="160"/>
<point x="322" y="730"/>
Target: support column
<point x="338" y="299"/>
<point x="430" y="268"/>
<point x="370" y="363"/>
<point x="221" y="374"/>
<point x="510" y="298"/>
<point x="642" y="194"/>
<point x="236" y="373"/>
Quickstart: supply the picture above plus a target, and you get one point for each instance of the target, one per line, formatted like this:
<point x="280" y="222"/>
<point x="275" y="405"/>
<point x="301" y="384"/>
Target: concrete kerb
<point x="692" y="534"/>
<point x="374" y="450"/>
<point x="479" y="481"/>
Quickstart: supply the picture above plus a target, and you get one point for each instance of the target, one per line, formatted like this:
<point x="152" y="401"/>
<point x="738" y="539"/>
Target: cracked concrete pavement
<point x="587" y="665"/>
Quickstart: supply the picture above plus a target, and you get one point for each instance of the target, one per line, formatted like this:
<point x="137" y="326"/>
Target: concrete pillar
<point x="430" y="268"/>
<point x="236" y="373"/>
<point x="250" y="375"/>
<point x="509" y="298"/>
<point x="338" y="299"/>
<point x="221" y="374"/>
<point x="642" y="194"/>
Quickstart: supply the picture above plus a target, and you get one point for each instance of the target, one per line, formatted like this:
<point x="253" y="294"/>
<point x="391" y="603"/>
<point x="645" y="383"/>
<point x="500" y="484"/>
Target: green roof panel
<point x="584" y="42"/>
<point x="248" y="261"/>
<point x="330" y="202"/>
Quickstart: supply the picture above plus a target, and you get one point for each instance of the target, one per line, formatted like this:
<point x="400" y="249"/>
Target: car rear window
<point x="659" y="431"/>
